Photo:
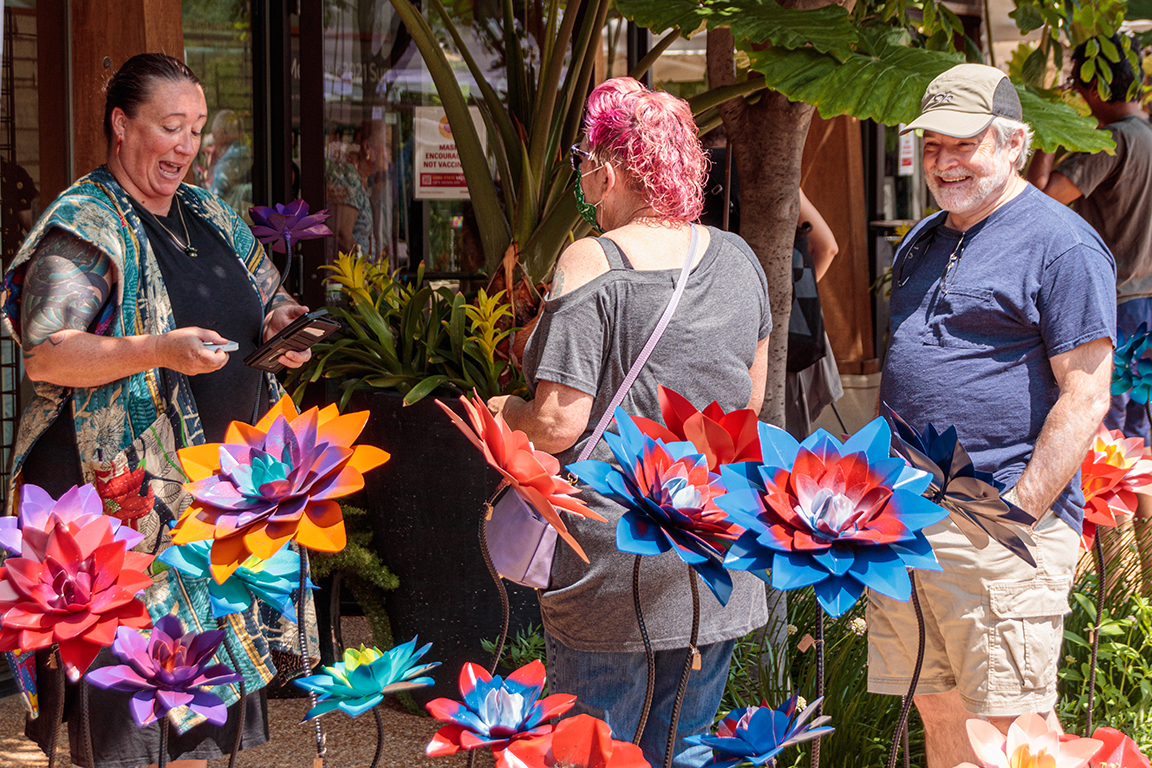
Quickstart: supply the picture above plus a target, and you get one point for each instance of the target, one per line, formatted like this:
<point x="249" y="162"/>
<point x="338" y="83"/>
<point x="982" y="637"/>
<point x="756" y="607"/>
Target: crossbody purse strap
<point x="658" y="331"/>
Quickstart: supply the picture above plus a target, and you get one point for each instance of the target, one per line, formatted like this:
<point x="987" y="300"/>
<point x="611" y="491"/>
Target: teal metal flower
<point x="272" y="581"/>
<point x="1132" y="369"/>
<point x="365" y="677"/>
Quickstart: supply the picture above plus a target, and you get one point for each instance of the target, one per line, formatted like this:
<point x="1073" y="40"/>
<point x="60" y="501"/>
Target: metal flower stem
<point x="55" y="663"/>
<point x="689" y="663"/>
<point x="302" y="632"/>
<point x="1098" y="552"/>
<point x="815" y="761"/>
<point x="906" y="705"/>
<point x="163" y="761"/>
<point x="485" y="514"/>
<point x="649" y="657"/>
<point x="221" y="623"/>
<point x="88" y="751"/>
<point x="380" y="737"/>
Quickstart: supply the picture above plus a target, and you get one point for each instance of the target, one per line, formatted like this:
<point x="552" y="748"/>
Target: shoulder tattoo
<point x="557" y="285"/>
<point x="66" y="284"/>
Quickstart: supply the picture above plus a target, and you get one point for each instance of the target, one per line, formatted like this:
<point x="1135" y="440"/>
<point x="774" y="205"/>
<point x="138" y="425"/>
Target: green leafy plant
<point x="1124" y="668"/>
<point x="408" y="336"/>
<point x="525" y="647"/>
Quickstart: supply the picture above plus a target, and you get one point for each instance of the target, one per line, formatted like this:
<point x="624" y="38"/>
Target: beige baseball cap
<point x="962" y="101"/>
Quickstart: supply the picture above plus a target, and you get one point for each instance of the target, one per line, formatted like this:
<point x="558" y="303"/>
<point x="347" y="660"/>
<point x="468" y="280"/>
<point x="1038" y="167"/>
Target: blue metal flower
<point x="272" y="581"/>
<point x="495" y="710"/>
<point x="840" y="517"/>
<point x="1132" y="369"/>
<point x="756" y="735"/>
<point x="365" y="677"/>
<point x="670" y="500"/>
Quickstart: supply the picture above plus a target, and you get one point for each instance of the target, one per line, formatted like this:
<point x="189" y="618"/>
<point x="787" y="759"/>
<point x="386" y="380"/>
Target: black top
<point x="211" y="290"/>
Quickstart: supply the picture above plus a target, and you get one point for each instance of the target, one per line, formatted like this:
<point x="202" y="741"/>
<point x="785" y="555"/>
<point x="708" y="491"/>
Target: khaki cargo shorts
<point x="993" y="623"/>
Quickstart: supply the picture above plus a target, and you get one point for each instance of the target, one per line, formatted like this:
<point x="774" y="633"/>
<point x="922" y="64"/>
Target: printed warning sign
<point x="439" y="174"/>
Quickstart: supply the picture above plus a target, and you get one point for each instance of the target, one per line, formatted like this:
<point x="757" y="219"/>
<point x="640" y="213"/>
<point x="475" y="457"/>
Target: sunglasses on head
<point x="577" y="156"/>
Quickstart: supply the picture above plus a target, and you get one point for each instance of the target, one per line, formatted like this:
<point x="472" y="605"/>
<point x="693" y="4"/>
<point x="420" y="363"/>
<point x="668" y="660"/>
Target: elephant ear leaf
<point x="1058" y="125"/>
<point x="826" y="29"/>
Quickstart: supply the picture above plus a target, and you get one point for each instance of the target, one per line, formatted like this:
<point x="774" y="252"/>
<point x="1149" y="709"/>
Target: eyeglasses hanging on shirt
<point x="917" y="252"/>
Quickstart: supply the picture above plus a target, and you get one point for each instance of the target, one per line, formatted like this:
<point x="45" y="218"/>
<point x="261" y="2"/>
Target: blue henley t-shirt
<point x="976" y="317"/>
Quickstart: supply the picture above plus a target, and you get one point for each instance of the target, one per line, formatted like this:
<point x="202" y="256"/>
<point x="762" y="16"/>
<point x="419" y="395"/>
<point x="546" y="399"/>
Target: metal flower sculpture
<point x="77" y="507"/>
<point x="73" y="584"/>
<point x="970" y="495"/>
<point x="1116" y="469"/>
<point x="757" y="735"/>
<point x="533" y="474"/>
<point x="669" y="496"/>
<point x="168" y="669"/>
<point x="1032" y="742"/>
<point x="724" y="438"/>
<point x="840" y="517"/>
<point x="362" y="680"/>
<point x="274" y="482"/>
<point x="1119" y="751"/>
<point x="495" y="711"/>
<point x="284" y="225"/>
<point x="578" y="742"/>
<point x="272" y="581"/>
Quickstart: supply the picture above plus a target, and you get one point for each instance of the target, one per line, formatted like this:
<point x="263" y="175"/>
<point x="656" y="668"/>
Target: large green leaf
<point x="1058" y="125"/>
<point x="883" y="81"/>
<point x="756" y="21"/>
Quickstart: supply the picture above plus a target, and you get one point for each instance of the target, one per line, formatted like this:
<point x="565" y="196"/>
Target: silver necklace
<point x="189" y="249"/>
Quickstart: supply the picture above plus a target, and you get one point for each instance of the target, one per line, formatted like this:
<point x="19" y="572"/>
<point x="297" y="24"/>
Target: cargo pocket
<point x="1025" y="633"/>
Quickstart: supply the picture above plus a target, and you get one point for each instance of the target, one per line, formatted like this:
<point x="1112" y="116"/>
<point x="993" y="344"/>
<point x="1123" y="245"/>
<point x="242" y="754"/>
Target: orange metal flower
<point x="533" y="474"/>
<point x="723" y="438"/>
<point x="274" y="482"/>
<point x="1114" y="471"/>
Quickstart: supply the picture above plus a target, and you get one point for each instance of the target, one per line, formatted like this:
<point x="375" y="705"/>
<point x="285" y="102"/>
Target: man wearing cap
<point x="1003" y="315"/>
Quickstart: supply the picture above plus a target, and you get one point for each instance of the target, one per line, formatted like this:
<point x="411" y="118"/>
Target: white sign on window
<point x="439" y="174"/>
<point x="906" y="165"/>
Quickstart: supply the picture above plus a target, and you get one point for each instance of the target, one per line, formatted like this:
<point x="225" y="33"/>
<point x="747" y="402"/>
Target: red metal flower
<point x="72" y="585"/>
<point x="533" y="474"/>
<point x="723" y="438"/>
<point x="581" y="741"/>
<point x="1116" y="469"/>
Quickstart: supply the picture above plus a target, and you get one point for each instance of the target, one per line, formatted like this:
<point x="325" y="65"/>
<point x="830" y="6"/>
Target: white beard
<point x="975" y="192"/>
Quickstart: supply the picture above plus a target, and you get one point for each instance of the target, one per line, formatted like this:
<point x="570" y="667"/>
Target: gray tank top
<point x="587" y="340"/>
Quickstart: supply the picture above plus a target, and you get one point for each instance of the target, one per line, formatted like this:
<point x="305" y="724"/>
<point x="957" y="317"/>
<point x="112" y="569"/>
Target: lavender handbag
<point x="519" y="540"/>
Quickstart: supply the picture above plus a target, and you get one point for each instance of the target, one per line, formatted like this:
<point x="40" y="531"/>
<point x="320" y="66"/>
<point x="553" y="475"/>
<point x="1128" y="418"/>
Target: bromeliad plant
<point x="410" y="337"/>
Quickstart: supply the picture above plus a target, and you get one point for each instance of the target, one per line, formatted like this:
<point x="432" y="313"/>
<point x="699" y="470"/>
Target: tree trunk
<point x="767" y="143"/>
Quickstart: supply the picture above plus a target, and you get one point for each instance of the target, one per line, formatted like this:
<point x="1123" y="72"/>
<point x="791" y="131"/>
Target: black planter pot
<point x="425" y="508"/>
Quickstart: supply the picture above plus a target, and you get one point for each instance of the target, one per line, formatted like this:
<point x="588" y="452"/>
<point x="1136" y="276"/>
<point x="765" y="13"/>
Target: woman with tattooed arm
<point x="116" y="297"/>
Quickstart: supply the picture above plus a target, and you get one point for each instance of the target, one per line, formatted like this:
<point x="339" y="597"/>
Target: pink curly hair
<point x="653" y="137"/>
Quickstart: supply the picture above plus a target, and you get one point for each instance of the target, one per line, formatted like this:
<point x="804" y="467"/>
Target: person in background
<point x="1003" y="316"/>
<point x="1113" y="192"/>
<point x="641" y="176"/>
<point x="230" y="172"/>
<point x="348" y="201"/>
<point x="113" y="297"/>
<point x="17" y="192"/>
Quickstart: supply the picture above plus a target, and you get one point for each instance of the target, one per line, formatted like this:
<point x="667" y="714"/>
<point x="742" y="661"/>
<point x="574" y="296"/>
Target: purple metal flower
<point x="168" y="669"/>
<point x="284" y="225"/>
<point x="75" y="509"/>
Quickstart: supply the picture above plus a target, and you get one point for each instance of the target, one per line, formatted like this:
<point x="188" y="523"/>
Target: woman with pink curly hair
<point x="639" y="177"/>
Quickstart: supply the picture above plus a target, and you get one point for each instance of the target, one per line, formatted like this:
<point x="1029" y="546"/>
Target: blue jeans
<point x="1126" y="414"/>
<point x="611" y="686"/>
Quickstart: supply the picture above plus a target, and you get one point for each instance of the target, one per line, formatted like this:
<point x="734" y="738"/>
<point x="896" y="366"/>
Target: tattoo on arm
<point x="557" y="285"/>
<point x="66" y="284"/>
<point x="280" y="299"/>
<point x="267" y="279"/>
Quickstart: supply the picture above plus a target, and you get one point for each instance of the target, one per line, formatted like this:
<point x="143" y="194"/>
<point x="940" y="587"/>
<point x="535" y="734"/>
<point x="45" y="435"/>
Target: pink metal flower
<point x="724" y="438"/>
<point x="533" y="474"/>
<point x="1116" y="469"/>
<point x="77" y="507"/>
<point x="74" y="585"/>
<point x="1119" y="751"/>
<point x="1032" y="742"/>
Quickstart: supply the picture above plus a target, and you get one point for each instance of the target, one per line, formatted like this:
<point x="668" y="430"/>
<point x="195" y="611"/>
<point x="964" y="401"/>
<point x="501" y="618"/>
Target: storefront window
<point x="218" y="48"/>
